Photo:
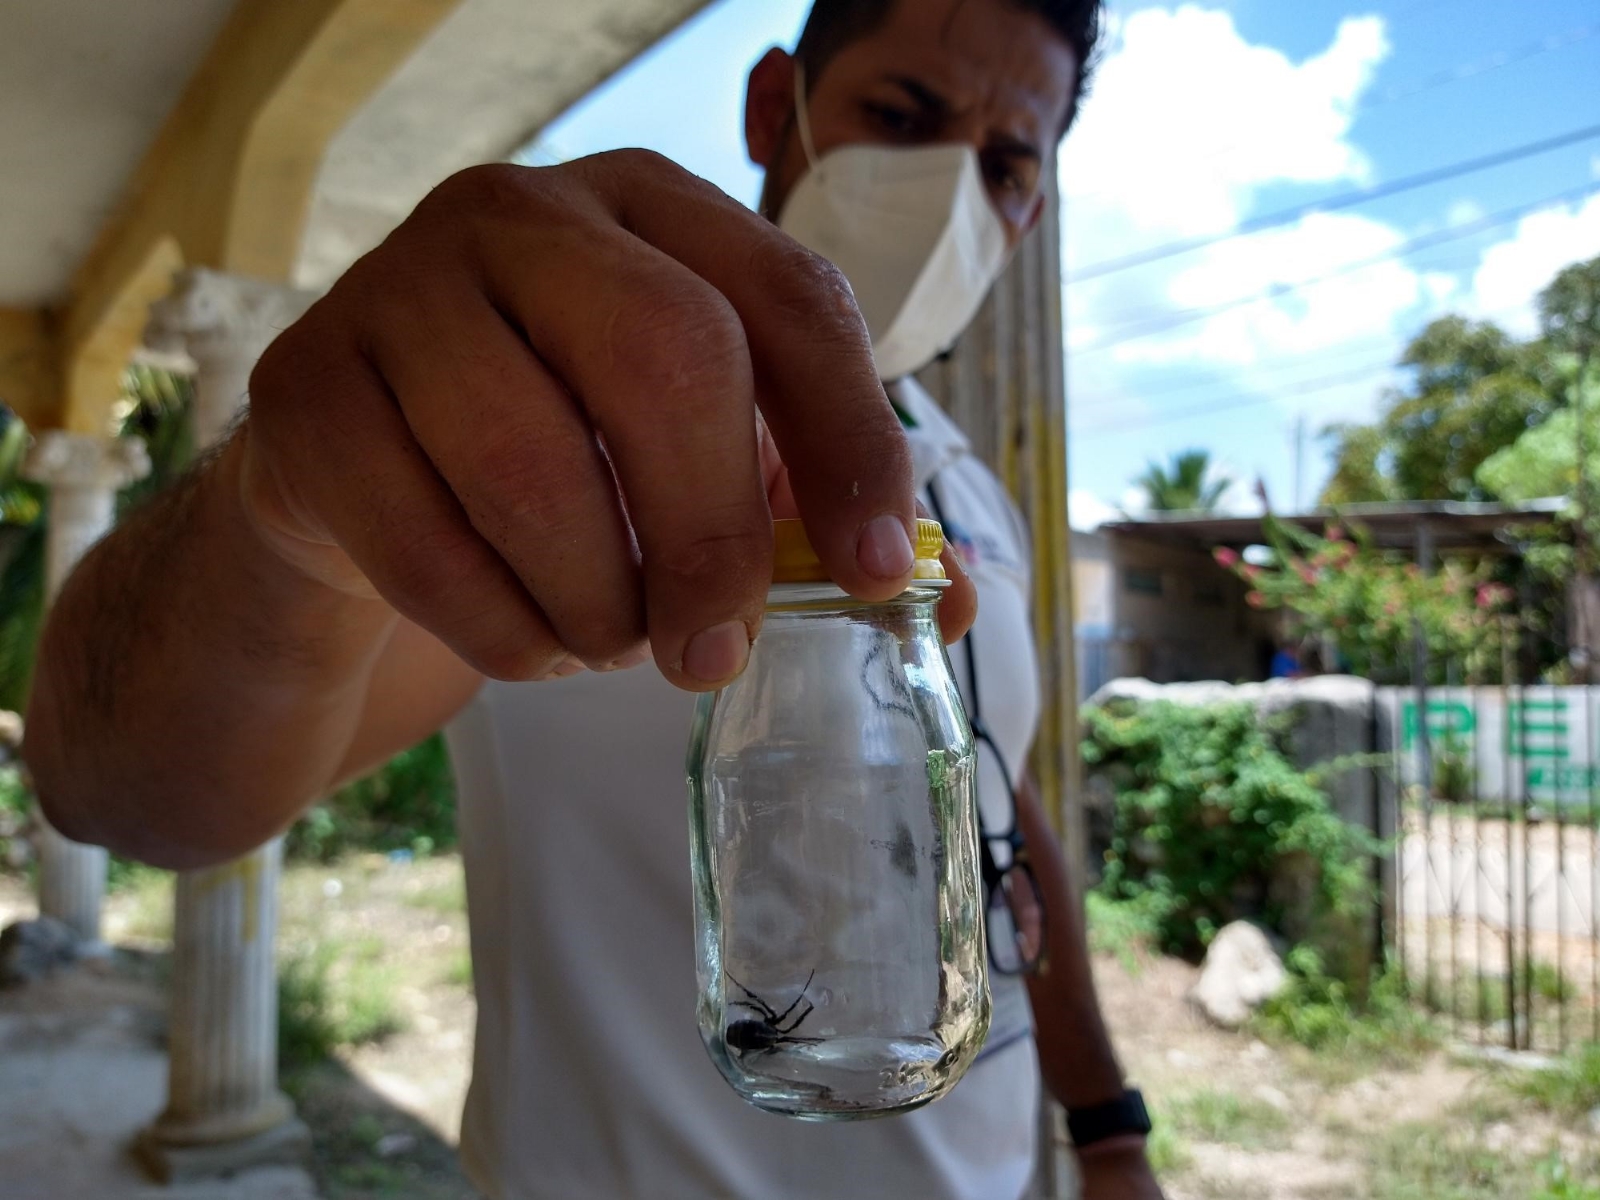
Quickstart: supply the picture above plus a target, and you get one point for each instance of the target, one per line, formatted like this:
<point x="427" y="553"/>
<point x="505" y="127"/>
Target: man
<point x="519" y="442"/>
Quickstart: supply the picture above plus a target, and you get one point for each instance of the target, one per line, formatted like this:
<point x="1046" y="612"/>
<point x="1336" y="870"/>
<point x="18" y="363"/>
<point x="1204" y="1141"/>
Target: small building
<point x="1153" y="603"/>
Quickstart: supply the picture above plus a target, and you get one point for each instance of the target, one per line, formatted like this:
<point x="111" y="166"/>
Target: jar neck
<point x="797" y="597"/>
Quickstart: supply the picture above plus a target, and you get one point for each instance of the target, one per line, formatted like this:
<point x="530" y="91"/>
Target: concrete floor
<point x="82" y="1070"/>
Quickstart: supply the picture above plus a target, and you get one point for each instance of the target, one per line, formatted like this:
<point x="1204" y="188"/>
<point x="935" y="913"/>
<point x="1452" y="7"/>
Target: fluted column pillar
<point x="83" y="474"/>
<point x="224" y="1108"/>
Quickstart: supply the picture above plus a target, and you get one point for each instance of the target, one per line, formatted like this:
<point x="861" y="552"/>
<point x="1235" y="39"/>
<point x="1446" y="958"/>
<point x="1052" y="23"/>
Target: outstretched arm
<point x="1075" y="1054"/>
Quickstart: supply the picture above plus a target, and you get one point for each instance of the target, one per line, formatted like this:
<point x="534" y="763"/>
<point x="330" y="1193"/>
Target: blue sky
<point x="1210" y="113"/>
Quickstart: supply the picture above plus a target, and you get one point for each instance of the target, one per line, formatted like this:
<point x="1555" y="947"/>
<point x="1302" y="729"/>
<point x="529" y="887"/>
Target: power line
<point x="1338" y="203"/>
<point x="1318" y="383"/>
<point x="1156" y="322"/>
<point x="1171" y="416"/>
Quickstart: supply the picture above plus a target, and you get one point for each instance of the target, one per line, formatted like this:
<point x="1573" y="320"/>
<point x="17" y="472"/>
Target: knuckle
<point x="808" y="284"/>
<point x="486" y="188"/>
<point x="672" y="335"/>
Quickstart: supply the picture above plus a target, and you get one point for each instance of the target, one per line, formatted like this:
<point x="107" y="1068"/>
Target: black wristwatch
<point x="1116" y="1118"/>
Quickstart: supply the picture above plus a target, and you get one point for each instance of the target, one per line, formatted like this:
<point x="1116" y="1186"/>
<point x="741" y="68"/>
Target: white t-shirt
<point x="589" y="1078"/>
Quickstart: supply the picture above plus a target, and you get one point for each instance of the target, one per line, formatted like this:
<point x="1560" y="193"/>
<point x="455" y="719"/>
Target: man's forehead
<point x="977" y="52"/>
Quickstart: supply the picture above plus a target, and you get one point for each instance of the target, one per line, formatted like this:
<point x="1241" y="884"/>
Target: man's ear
<point x="768" y="106"/>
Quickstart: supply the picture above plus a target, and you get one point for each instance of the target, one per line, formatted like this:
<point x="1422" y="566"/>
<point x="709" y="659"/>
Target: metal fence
<point x="1492" y="809"/>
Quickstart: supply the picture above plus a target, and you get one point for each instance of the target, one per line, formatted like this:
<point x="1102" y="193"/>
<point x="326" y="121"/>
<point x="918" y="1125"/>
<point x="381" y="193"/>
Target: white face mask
<point x="912" y="230"/>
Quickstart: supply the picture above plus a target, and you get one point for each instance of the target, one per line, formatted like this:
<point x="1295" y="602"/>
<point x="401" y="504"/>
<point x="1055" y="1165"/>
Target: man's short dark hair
<point x="834" y="24"/>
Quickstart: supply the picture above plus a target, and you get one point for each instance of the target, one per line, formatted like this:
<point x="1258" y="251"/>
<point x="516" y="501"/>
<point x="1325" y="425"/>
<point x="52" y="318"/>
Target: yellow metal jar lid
<point x="794" y="561"/>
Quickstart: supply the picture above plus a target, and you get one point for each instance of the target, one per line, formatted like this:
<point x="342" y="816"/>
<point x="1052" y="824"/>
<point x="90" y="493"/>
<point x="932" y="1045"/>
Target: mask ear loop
<point x="803" y="117"/>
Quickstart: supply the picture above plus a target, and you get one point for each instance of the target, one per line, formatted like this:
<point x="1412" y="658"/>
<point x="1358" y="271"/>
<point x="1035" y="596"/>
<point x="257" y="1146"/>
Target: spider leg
<point x="795" y="1024"/>
<point x="757" y="1003"/>
<point x="779" y="1018"/>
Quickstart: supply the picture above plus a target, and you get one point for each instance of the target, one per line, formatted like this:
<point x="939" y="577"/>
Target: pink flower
<point x="1250" y="571"/>
<point x="1256" y="600"/>
<point x="1307" y="574"/>
<point x="1336" y="533"/>
<point x="1226" y="557"/>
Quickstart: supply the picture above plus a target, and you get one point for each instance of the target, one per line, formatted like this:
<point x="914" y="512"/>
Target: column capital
<point x="83" y="460"/>
<point x="215" y="312"/>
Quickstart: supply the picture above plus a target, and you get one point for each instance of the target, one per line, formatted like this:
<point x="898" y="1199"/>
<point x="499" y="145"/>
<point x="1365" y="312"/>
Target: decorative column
<point x="224" y="1111"/>
<point x="84" y="474"/>
<point x="223" y="323"/>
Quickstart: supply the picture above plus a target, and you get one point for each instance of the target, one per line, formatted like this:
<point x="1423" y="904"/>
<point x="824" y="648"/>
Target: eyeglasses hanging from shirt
<point x="1014" y="905"/>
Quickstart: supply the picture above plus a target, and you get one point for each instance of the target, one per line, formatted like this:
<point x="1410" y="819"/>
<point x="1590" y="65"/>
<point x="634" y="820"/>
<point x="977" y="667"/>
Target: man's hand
<point x="527" y="422"/>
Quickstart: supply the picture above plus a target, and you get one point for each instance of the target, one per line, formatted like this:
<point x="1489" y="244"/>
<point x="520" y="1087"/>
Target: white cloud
<point x="1188" y="119"/>
<point x="1512" y="273"/>
<point x="1316" y="318"/>
<point x="1086" y="511"/>
<point x="1189" y="125"/>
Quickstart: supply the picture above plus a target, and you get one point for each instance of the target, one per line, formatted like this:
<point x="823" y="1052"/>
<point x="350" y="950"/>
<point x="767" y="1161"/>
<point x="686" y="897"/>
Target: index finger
<point x="816" y="382"/>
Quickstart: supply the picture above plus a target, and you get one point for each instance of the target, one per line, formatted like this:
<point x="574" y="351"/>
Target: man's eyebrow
<point x="924" y="96"/>
<point x="1006" y="144"/>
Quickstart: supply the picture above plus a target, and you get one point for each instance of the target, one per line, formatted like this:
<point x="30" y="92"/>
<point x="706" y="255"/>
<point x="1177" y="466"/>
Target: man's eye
<point x="893" y="120"/>
<point x="1007" y="180"/>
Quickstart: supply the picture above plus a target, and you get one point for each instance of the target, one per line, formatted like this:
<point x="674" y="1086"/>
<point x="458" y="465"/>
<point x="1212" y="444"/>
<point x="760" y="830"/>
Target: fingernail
<point x="884" y="548"/>
<point x="719" y="653"/>
<point x="568" y="669"/>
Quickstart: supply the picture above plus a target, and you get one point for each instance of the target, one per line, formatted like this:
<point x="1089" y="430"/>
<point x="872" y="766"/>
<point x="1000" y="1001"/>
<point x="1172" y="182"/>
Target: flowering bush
<point x="1370" y="603"/>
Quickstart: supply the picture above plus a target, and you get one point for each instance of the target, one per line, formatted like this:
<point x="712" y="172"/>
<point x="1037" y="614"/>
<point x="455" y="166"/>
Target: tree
<point x="1569" y="310"/>
<point x="1475" y="391"/>
<point x="1188" y="485"/>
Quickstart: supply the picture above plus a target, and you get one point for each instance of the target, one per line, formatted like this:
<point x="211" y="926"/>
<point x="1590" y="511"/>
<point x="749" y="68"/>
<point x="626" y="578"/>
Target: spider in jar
<point x="770" y="1032"/>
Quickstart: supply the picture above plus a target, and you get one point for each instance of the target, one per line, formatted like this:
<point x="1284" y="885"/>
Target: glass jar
<point x="833" y="827"/>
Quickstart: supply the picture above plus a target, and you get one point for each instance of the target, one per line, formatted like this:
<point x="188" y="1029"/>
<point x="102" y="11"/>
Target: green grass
<point x="334" y="995"/>
<point x="1349" y="1036"/>
<point x="1570" y="1088"/>
<point x="1550" y="984"/>
<point x="144" y="894"/>
<point x="1431" y="1162"/>
<point x="1215" y="1116"/>
<point x="1123" y="929"/>
<point x="1167" y="1151"/>
<point x="458" y="971"/>
<point x="449" y="897"/>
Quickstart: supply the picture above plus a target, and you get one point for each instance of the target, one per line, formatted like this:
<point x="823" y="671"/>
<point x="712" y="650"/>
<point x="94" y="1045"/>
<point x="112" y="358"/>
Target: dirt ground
<point x="1238" y="1118"/>
<point x="1245" y="1120"/>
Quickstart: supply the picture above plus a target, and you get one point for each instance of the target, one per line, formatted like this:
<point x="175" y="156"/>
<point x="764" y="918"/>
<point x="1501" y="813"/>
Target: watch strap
<point x="1115" y="1118"/>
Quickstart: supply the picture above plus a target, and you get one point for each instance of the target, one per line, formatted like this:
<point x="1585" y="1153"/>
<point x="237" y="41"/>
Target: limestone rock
<point x="1241" y="972"/>
<point x="30" y="950"/>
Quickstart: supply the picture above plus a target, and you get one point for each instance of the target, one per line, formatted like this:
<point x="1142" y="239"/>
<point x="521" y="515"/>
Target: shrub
<point x="409" y="804"/>
<point x="1212" y="823"/>
<point x="332" y="995"/>
<point x="1324" y="1016"/>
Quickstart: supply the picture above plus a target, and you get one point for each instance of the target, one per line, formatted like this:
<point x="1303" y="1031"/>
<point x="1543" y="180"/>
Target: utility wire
<point x="1171" y="416"/>
<point x="1311" y="386"/>
<point x="1164" y="322"/>
<point x="1338" y="203"/>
